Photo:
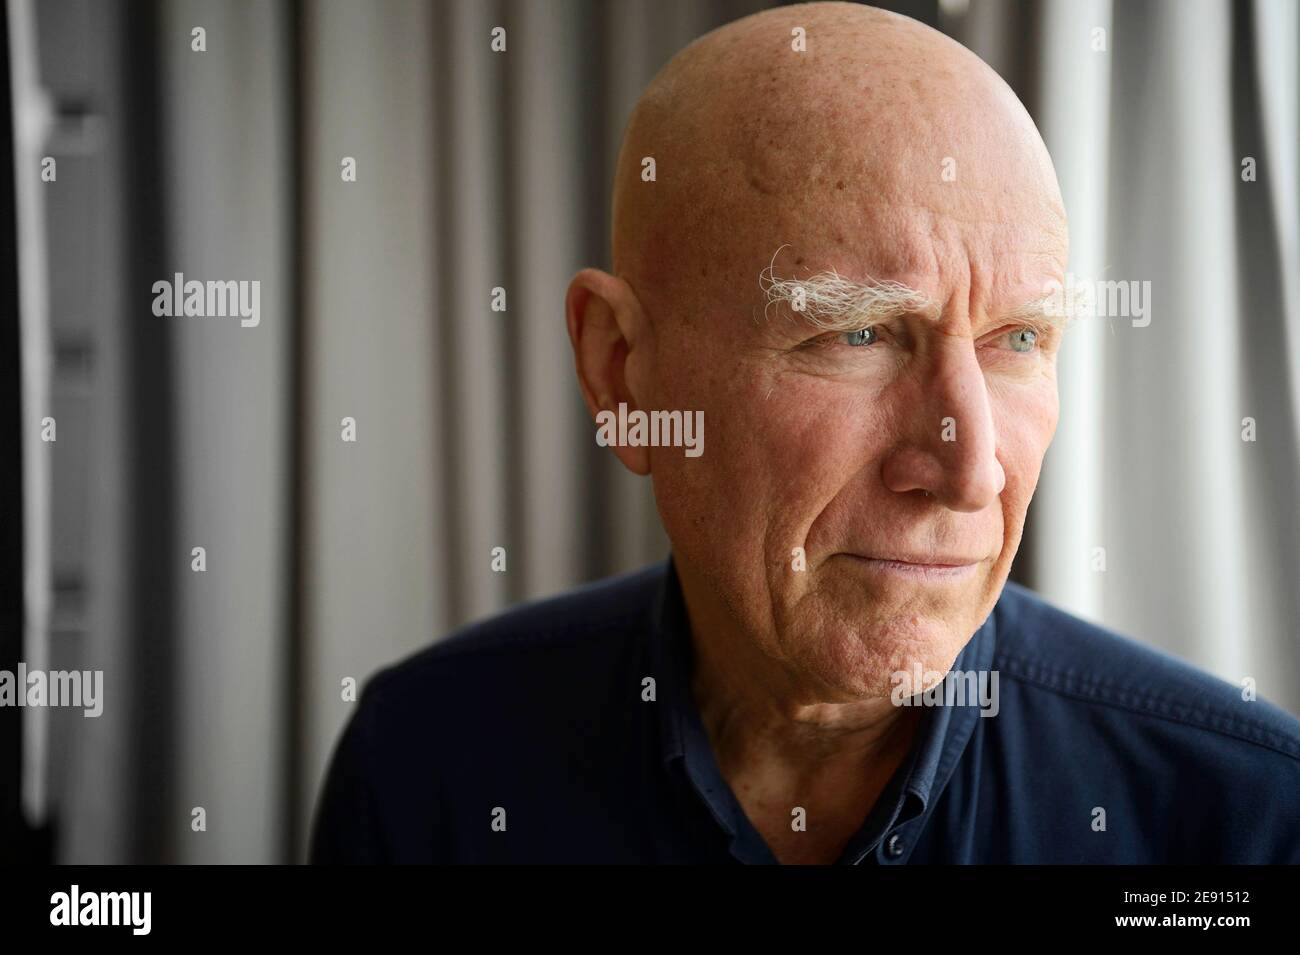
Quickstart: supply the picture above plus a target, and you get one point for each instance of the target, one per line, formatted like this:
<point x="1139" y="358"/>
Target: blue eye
<point x="1023" y="339"/>
<point x="863" y="336"/>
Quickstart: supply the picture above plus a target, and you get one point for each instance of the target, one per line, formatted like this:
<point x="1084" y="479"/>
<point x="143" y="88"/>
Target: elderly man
<point x="836" y="232"/>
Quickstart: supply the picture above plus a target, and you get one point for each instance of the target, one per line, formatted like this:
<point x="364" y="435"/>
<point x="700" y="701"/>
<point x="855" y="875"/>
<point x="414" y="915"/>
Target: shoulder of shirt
<point x="1052" y="651"/>
<point x="585" y="628"/>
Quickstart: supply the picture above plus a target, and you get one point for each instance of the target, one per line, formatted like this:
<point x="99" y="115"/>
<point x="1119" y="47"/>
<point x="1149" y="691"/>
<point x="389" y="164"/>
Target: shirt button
<point x="894" y="847"/>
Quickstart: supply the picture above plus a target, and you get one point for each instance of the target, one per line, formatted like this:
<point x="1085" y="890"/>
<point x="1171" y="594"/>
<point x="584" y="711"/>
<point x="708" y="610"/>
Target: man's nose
<point x="949" y="441"/>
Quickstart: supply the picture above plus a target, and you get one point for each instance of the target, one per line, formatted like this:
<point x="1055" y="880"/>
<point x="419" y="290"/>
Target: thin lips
<point x="936" y="561"/>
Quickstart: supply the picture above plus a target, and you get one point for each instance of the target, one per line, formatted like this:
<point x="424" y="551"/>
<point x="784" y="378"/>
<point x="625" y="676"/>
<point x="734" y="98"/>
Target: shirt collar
<point x="941" y="734"/>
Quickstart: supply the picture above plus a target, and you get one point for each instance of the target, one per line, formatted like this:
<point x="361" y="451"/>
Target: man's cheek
<point x="1025" y="430"/>
<point x="804" y="467"/>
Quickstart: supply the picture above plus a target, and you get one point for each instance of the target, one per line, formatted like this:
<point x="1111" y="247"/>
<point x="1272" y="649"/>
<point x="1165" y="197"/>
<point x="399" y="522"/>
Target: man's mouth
<point x="923" y="567"/>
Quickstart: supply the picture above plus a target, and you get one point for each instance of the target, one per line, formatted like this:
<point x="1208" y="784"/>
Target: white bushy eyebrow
<point x="836" y="304"/>
<point x="832" y="303"/>
<point x="1044" y="311"/>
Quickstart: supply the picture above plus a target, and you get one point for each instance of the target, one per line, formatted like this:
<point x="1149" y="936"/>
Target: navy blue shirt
<point x="530" y="737"/>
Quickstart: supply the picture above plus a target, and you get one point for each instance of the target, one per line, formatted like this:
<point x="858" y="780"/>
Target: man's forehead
<point x="1001" y="260"/>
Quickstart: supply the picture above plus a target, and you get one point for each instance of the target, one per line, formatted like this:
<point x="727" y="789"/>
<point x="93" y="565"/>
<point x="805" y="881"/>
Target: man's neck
<point x="781" y="748"/>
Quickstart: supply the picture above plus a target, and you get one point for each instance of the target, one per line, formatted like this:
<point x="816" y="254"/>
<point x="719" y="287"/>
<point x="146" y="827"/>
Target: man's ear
<point x="606" y="324"/>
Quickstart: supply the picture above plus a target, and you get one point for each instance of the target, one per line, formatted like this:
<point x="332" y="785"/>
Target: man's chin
<point x="863" y="662"/>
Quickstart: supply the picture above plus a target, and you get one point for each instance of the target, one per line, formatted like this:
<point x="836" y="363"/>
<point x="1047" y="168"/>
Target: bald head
<point x="814" y="122"/>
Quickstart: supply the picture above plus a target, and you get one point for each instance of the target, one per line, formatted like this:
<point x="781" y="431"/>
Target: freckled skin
<point x="837" y="155"/>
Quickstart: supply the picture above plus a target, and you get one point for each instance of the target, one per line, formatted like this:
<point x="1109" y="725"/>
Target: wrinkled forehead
<point x="998" y="243"/>
<point x="997" y="251"/>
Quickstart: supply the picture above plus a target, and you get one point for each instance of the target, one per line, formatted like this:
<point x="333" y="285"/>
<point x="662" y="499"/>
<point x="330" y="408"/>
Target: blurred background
<point x="478" y="169"/>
